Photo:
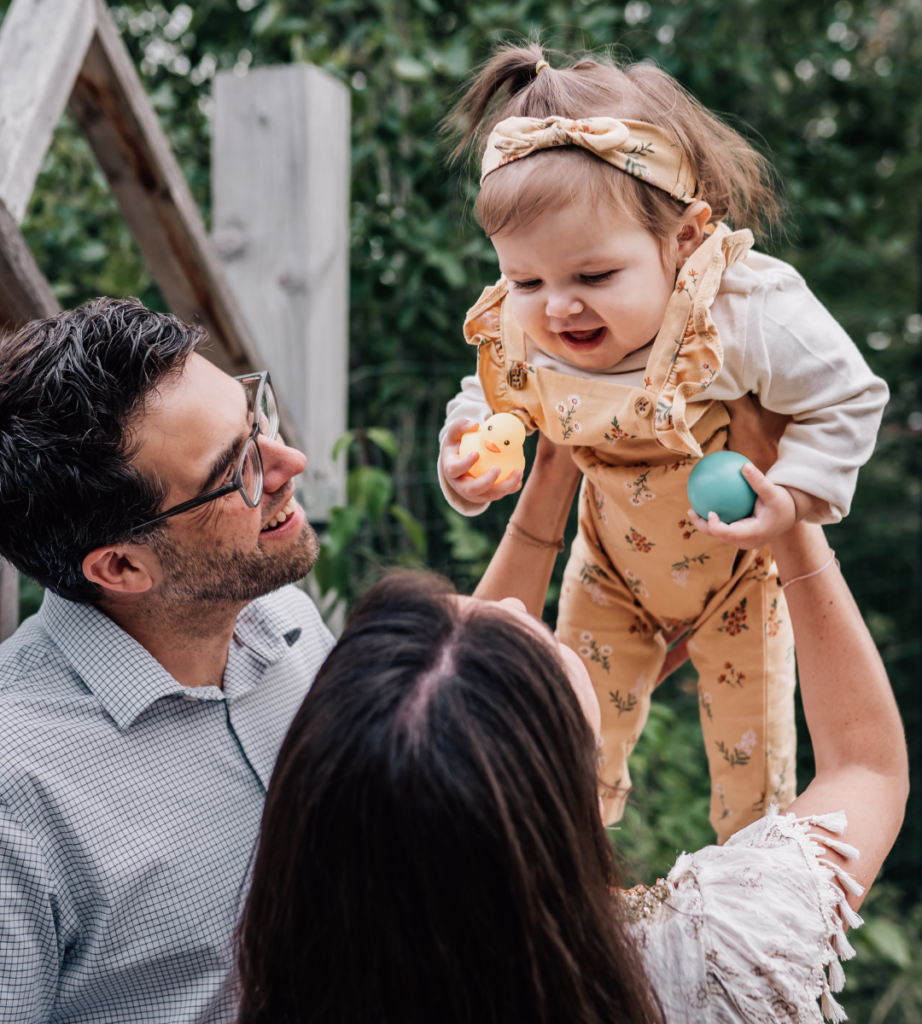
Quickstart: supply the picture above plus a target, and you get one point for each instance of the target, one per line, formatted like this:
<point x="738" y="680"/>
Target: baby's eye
<point x="597" y="278"/>
<point x="528" y="285"/>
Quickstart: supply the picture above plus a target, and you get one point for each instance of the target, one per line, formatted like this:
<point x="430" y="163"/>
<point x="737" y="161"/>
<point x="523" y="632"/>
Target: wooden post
<point x="24" y="292"/>
<point x="280" y="179"/>
<point x="41" y="49"/>
<point x="54" y="49"/>
<point x="9" y="600"/>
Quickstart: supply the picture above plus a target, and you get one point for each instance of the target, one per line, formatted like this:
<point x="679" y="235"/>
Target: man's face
<point x="191" y="436"/>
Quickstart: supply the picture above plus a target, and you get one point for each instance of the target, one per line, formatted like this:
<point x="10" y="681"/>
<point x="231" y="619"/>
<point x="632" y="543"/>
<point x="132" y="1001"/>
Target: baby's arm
<point x="467" y="494"/>
<point x="801" y="364"/>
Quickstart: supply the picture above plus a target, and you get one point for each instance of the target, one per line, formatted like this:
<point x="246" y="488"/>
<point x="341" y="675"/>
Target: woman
<point x="432" y="851"/>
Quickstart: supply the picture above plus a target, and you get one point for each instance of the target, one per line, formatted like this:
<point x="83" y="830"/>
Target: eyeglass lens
<point x="268" y="410"/>
<point x="251" y="476"/>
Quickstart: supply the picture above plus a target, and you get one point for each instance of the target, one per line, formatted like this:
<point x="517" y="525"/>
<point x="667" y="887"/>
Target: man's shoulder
<point x="30" y="662"/>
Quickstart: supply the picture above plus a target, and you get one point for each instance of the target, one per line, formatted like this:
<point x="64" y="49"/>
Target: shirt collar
<point x="124" y="676"/>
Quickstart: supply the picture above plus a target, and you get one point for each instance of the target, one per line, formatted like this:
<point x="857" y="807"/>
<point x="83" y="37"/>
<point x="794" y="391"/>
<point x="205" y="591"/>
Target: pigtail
<point x="509" y="71"/>
<point x="735" y="179"/>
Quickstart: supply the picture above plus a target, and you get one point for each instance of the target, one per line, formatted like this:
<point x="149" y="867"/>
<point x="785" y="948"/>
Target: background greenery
<point x="832" y="91"/>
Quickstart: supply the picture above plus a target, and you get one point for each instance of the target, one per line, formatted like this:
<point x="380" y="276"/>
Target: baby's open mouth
<point x="579" y="337"/>
<point x="279" y="517"/>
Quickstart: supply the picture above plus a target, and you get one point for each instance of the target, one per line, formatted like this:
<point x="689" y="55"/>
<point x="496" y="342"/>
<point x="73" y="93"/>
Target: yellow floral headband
<point x="635" y="147"/>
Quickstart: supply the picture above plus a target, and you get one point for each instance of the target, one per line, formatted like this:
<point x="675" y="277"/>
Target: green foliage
<point x="360" y="537"/>
<point x="884" y="981"/>
<point x="832" y="91"/>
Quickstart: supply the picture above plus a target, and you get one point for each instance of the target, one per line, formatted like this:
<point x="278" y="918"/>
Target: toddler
<point x="628" y="311"/>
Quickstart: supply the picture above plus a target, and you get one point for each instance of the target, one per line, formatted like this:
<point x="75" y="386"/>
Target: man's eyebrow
<point x="221" y="464"/>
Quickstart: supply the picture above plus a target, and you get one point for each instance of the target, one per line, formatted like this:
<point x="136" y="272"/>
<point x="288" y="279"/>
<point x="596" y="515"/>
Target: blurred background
<point x="831" y="92"/>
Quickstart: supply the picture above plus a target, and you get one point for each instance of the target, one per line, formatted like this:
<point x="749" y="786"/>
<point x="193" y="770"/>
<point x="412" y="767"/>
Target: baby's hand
<point x="472" y="488"/>
<point x="775" y="513"/>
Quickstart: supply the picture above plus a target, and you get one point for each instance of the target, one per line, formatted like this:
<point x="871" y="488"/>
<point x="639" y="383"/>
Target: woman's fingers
<point x="754" y="430"/>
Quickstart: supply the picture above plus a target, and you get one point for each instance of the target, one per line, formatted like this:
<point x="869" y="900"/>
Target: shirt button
<point x="643" y="406"/>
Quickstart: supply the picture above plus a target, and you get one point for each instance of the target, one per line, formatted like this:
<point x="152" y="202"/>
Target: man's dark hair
<point x="431" y="848"/>
<point x="71" y="387"/>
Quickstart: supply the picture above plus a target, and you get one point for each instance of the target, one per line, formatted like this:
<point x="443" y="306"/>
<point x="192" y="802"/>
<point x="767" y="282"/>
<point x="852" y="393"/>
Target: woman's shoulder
<point x="755" y="923"/>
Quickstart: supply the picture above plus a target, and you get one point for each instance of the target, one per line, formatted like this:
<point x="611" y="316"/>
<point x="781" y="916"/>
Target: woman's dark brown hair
<point x="736" y="181"/>
<point x="431" y="850"/>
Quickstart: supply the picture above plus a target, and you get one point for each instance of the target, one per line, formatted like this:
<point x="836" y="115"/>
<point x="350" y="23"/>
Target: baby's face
<point x="586" y="283"/>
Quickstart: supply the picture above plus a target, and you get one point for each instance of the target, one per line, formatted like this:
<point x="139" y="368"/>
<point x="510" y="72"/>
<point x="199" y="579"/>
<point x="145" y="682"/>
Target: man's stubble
<point x="217" y="578"/>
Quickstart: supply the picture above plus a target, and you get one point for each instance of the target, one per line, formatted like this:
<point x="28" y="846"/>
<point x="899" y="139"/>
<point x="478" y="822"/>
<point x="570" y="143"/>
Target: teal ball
<point x="717" y="485"/>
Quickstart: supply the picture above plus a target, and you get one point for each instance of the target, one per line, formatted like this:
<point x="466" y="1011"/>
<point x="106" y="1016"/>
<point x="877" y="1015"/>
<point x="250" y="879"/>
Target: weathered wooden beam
<point x="24" y="293"/>
<point x="9" y="600"/>
<point x="42" y="44"/>
<point x="280" y="205"/>
<point x="24" y="296"/>
<point x="122" y="128"/>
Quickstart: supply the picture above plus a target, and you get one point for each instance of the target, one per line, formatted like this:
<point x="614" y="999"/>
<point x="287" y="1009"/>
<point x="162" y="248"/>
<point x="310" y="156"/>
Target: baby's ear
<point x="690" y="233"/>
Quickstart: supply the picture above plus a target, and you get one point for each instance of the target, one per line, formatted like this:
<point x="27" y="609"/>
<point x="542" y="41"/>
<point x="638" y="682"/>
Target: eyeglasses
<point x="263" y="413"/>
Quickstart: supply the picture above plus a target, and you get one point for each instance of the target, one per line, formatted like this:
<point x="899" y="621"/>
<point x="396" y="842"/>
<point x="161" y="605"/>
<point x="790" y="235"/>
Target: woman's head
<point x="431" y="848"/>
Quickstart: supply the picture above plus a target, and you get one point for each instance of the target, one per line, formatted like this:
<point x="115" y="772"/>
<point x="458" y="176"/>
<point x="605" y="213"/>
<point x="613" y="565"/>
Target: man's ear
<point x="691" y="230"/>
<point x="121" y="568"/>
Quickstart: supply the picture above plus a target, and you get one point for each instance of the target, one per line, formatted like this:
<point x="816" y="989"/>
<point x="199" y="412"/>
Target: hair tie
<point x="540" y="66"/>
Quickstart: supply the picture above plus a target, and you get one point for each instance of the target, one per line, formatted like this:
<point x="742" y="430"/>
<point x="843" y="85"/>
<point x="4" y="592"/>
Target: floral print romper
<point x="638" y="569"/>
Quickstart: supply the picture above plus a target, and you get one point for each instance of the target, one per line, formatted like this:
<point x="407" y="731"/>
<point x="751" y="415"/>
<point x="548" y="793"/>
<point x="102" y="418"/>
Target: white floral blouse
<point x="745" y="932"/>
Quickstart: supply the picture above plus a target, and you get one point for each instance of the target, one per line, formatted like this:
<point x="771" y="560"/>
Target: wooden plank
<point x="280" y="207"/>
<point x="9" y="600"/>
<point x="42" y="43"/>
<point x="24" y="293"/>
<point x="124" y="132"/>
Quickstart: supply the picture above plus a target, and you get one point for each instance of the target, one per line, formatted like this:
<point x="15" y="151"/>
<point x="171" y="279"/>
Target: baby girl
<point x="627" y="313"/>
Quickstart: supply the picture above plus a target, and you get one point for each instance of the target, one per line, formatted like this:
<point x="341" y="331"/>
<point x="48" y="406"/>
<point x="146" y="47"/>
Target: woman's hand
<point x="755" y="431"/>
<point x="474" y="489"/>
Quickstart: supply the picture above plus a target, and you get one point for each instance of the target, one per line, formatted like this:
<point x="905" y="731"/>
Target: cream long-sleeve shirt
<point x="780" y="343"/>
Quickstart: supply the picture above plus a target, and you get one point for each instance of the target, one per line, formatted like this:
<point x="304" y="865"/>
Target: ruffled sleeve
<point x="767" y="918"/>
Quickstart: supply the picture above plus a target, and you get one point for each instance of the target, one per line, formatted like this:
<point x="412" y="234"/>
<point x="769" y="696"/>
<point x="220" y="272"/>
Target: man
<point x="142" y="708"/>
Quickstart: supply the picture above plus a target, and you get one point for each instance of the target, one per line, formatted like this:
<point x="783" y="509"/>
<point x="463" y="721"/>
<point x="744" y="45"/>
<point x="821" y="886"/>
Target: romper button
<point x="643" y="406"/>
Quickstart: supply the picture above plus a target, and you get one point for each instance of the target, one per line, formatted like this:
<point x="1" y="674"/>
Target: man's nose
<point x="561" y="305"/>
<point x="280" y="463"/>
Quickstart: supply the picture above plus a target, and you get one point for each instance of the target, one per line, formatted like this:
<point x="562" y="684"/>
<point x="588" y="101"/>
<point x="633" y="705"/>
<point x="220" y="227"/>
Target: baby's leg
<point x="622" y="650"/>
<point x="744" y="654"/>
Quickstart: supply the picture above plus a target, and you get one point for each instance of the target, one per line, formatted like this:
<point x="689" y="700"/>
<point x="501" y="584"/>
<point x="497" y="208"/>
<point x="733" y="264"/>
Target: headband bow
<point x="635" y="147"/>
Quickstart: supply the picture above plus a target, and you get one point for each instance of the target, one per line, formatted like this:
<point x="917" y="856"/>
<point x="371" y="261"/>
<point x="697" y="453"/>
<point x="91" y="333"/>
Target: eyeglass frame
<point x="236" y="481"/>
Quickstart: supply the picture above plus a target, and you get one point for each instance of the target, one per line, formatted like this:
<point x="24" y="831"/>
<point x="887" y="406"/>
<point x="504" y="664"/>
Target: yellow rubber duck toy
<point x="499" y="441"/>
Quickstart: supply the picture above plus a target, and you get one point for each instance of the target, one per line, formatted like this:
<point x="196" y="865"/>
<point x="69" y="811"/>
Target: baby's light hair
<point x="733" y="179"/>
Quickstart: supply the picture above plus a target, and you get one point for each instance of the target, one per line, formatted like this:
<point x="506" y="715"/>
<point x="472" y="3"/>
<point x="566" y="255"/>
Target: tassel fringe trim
<point x="835" y="906"/>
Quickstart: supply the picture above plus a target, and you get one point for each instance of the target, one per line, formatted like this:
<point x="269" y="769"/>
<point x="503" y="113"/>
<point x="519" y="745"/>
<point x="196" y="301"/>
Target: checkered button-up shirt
<point x="129" y="807"/>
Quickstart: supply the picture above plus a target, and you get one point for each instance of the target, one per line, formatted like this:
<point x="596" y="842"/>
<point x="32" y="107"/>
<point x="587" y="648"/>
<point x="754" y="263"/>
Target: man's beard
<point x="191" y="575"/>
